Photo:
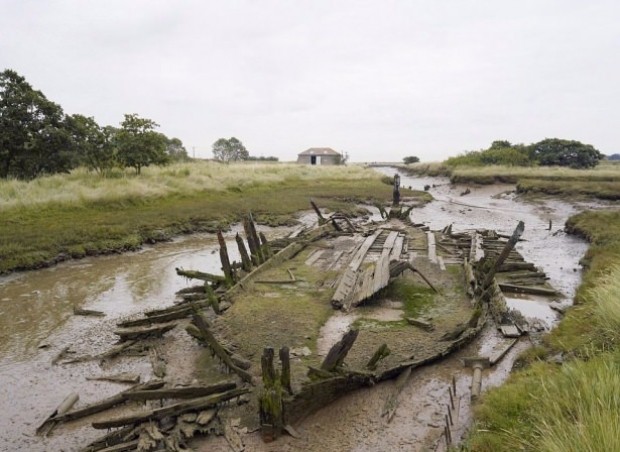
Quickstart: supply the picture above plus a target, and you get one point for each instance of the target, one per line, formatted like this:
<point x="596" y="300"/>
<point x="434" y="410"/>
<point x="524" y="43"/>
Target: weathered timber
<point x="192" y="289"/>
<point x="528" y="289"/>
<point x="336" y="355"/>
<point x="432" y="252"/>
<point x="225" y="259"/>
<point x="318" y="212"/>
<point x="123" y="447"/>
<point x="88" y="312"/>
<point x="246" y="263"/>
<point x="499" y="354"/>
<point x="420" y="323"/>
<point x="504" y="254"/>
<point x="396" y="191"/>
<point x="239" y="361"/>
<point x="270" y="398"/>
<point x="50" y="422"/>
<point x="382" y="352"/>
<point x="138" y="333"/>
<point x="117" y="378"/>
<point x="285" y="375"/>
<point x="107" y="403"/>
<point x="391" y="403"/>
<point x="198" y="404"/>
<point x="185" y="307"/>
<point x="207" y="277"/>
<point x="470" y="280"/>
<point x="382" y="267"/>
<point x="111" y="353"/>
<point x="511" y="266"/>
<point x="162" y="318"/>
<point x="111" y="439"/>
<point x="259" y="251"/>
<point x="254" y="247"/>
<point x="218" y="350"/>
<point x="191" y="392"/>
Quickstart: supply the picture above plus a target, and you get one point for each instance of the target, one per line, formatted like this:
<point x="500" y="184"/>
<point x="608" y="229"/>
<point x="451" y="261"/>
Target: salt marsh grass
<point x="177" y="179"/>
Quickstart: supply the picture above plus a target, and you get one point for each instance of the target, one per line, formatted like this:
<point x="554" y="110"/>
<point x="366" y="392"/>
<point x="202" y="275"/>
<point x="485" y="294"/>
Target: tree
<point x="94" y="145"/>
<point x="411" y="159"/>
<point x="139" y="145"/>
<point x="574" y="154"/>
<point x="33" y="136"/>
<point x="175" y="150"/>
<point x="229" y="150"/>
<point x="500" y="144"/>
<point x="614" y="157"/>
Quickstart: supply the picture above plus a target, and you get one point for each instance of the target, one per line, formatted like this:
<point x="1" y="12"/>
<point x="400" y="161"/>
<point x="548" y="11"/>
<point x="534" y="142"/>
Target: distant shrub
<point x="557" y="152"/>
<point x="411" y="159"/>
<point x="512" y="156"/>
<point x="262" y="159"/>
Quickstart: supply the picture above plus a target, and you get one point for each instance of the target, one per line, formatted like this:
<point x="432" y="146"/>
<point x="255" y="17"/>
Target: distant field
<point x="602" y="182"/>
<point x="79" y="214"/>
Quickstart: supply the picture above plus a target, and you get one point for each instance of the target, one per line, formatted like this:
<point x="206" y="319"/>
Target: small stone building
<point x="320" y="156"/>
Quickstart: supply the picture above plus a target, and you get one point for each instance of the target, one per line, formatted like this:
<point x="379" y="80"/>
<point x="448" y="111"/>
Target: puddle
<point x="534" y="308"/>
<point x="333" y="330"/>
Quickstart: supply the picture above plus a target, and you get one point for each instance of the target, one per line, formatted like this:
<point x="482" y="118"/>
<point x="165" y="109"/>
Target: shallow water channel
<point x="37" y="321"/>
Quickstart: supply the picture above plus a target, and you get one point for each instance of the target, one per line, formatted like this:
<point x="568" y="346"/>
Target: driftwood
<point x="162" y="318"/>
<point x="107" y="403"/>
<point x="198" y="404"/>
<point x="143" y="333"/>
<point x="218" y="350"/>
<point x="51" y="421"/>
<point x="87" y="312"/>
<point x="117" y="378"/>
<point x="336" y="355"/>
<point x="180" y="393"/>
<point x="207" y="277"/>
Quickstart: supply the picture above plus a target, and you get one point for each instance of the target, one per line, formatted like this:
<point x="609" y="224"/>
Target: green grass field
<point x="79" y="214"/>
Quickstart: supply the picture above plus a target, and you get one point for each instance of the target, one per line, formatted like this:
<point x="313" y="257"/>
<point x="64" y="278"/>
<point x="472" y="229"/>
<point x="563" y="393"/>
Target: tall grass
<point x="177" y="179"/>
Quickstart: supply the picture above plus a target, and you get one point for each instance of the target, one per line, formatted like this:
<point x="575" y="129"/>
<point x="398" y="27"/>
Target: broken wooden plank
<point x="198" y="404"/>
<point x="420" y="323"/>
<point x="336" y="355"/>
<point x="158" y="363"/>
<point x="137" y="333"/>
<point x="219" y="351"/>
<point x="382" y="352"/>
<point x="105" y="404"/>
<point x="180" y="393"/>
<point x="124" y="377"/>
<point x="315" y="256"/>
<point x="389" y="409"/>
<point x="432" y="252"/>
<point x="509" y="330"/>
<point x="88" y="312"/>
<point x="499" y="354"/>
<point x="207" y="277"/>
<point x="162" y="318"/>
<point x="528" y="289"/>
<point x="49" y="423"/>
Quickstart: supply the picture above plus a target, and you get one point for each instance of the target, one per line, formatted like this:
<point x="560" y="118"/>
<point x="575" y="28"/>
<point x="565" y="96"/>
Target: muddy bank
<point x="352" y="423"/>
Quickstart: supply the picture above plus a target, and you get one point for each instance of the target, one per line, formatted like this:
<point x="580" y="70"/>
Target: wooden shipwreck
<point x="271" y="306"/>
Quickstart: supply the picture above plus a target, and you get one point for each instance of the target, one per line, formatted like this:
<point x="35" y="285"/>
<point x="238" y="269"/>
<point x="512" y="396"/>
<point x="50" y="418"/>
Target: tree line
<point x="38" y="138"/>
<point x="548" y="152"/>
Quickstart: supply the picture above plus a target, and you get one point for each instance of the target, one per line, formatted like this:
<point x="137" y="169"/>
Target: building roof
<point x="319" y="151"/>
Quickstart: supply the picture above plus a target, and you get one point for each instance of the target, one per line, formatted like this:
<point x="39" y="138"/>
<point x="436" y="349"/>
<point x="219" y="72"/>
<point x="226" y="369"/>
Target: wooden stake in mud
<point x="246" y="263"/>
<point x="264" y="245"/>
<point x="339" y="351"/>
<point x="255" y="239"/>
<point x="226" y="267"/>
<point x="512" y="241"/>
<point x="318" y="212"/>
<point x="396" y="192"/>
<point x="285" y="376"/>
<point x="270" y="399"/>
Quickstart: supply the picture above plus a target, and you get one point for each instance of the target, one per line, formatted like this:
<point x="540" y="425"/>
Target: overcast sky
<point x="380" y="80"/>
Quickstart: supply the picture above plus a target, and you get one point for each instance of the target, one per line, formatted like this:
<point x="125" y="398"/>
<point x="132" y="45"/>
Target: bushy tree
<point x="139" y="145"/>
<point x="229" y="150"/>
<point x="175" y="150"/>
<point x="574" y="154"/>
<point x="33" y="136"/>
<point x="411" y="159"/>
<point x="614" y="157"/>
<point x="94" y="145"/>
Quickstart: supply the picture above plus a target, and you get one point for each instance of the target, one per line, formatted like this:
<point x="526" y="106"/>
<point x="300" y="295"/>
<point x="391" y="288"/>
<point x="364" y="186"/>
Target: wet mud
<point x="37" y="321"/>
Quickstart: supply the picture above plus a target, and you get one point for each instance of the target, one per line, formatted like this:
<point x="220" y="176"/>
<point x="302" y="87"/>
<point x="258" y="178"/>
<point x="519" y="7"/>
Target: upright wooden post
<point x="246" y="263"/>
<point x="318" y="212"/>
<point x="285" y="376"/>
<point x="259" y="251"/>
<point x="264" y="245"/>
<point x="336" y="355"/>
<point x="251" y="244"/>
<point x="270" y="399"/>
<point x="226" y="267"/>
<point x="396" y="191"/>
